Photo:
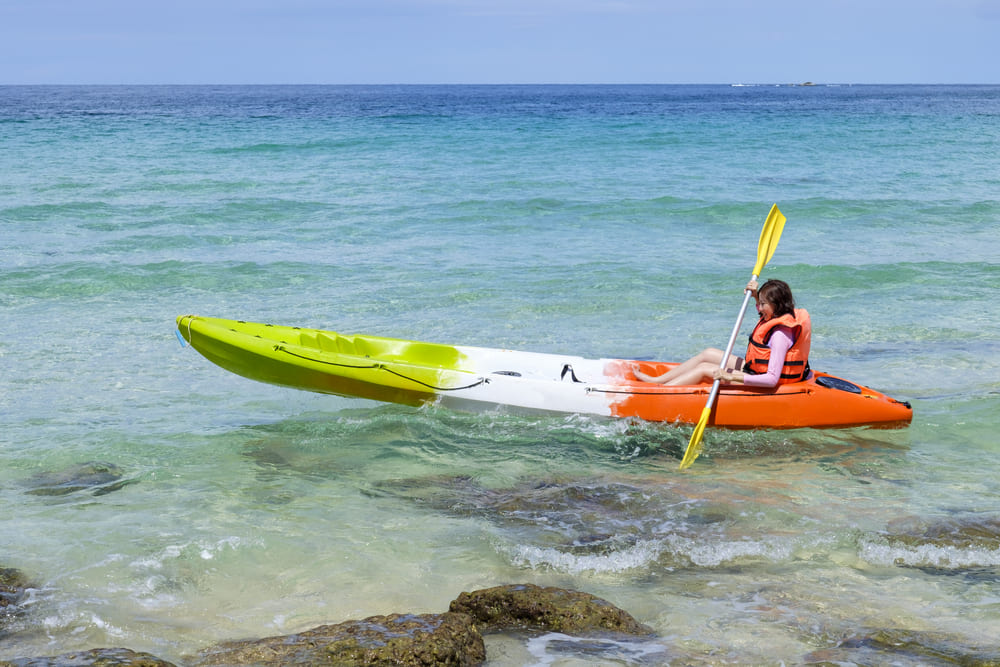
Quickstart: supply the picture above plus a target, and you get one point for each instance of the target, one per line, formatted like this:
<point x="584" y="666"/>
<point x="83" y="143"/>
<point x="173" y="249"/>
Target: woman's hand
<point x="752" y="288"/>
<point x="729" y="377"/>
<point x="723" y="376"/>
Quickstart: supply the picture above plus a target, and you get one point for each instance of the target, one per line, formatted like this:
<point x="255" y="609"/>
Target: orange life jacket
<point x="796" y="361"/>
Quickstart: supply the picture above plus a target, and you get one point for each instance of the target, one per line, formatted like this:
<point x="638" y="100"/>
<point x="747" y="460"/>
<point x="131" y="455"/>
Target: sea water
<point x="159" y="503"/>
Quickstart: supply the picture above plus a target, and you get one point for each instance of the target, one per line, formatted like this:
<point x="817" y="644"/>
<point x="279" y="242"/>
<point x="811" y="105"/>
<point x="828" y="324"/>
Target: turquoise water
<point x="604" y="221"/>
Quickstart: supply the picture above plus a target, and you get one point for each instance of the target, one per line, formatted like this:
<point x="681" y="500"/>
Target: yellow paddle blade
<point x="694" y="445"/>
<point x="769" y="236"/>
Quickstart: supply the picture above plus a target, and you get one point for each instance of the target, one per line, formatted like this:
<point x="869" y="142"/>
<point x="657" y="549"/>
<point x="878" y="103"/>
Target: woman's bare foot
<point x="642" y="377"/>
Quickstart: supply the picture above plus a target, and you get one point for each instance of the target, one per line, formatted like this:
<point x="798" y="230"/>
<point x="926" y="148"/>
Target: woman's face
<point x="765" y="308"/>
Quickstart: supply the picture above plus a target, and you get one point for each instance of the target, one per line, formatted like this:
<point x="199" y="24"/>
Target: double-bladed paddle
<point x="769" y="236"/>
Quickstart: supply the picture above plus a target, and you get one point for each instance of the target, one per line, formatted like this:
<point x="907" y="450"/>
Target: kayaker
<point x="778" y="351"/>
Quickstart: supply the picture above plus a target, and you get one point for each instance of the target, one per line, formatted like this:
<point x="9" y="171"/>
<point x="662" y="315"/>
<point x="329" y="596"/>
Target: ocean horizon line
<point x="803" y="84"/>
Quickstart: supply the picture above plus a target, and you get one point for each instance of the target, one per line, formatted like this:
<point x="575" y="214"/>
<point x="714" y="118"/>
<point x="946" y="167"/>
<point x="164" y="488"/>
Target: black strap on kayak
<point x="701" y="391"/>
<point x="572" y="374"/>
<point x="378" y="366"/>
<point x="406" y="377"/>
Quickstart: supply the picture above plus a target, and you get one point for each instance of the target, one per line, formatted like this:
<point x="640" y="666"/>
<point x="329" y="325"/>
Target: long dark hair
<point x="779" y="295"/>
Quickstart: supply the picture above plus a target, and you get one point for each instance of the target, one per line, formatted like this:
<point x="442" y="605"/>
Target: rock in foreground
<point x="98" y="657"/>
<point x="530" y="607"/>
<point x="401" y="640"/>
<point x="404" y="640"/>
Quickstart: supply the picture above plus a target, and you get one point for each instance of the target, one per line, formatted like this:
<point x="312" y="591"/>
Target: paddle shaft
<point x="769" y="236"/>
<point x="730" y="345"/>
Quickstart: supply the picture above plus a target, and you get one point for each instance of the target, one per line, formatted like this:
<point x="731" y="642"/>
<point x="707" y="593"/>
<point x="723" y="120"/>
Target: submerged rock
<point x="967" y="545"/>
<point x="399" y="639"/>
<point x="530" y="607"/>
<point x="964" y="532"/>
<point x="98" y="657"/>
<point x="904" y="647"/>
<point x="575" y="517"/>
<point x="97" y="477"/>
<point x="13" y="587"/>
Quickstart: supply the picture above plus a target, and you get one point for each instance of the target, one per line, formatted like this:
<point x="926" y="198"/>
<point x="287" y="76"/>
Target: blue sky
<point x="499" y="41"/>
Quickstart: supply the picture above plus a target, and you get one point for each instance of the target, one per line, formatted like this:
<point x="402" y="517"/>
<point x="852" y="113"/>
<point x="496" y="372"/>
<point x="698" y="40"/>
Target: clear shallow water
<point x="603" y="221"/>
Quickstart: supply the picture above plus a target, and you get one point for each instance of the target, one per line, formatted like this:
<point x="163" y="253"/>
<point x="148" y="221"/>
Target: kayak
<point x="478" y="378"/>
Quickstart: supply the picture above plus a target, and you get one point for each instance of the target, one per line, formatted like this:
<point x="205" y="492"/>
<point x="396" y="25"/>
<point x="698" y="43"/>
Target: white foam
<point x="646" y="553"/>
<point x="709" y="554"/>
<point x="878" y="551"/>
<point x="640" y="555"/>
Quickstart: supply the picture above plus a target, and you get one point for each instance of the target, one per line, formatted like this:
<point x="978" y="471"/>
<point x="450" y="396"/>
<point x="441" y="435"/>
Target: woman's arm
<point x="780" y="342"/>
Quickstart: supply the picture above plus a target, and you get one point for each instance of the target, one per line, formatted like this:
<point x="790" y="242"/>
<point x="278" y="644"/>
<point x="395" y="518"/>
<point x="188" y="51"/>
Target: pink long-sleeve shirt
<point x="780" y="342"/>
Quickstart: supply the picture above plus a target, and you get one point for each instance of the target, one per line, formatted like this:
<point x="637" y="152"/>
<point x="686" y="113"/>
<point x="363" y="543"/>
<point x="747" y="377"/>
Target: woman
<point x="778" y="351"/>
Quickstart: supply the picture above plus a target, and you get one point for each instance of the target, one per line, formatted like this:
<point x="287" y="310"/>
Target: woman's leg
<point x="696" y="375"/>
<point x="710" y="356"/>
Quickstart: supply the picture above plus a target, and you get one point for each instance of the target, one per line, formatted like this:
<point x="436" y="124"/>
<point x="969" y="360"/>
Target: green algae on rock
<point x="402" y="640"/>
<point x="530" y="607"/>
